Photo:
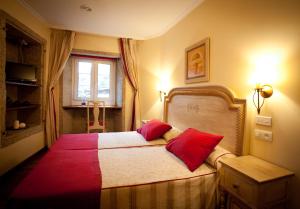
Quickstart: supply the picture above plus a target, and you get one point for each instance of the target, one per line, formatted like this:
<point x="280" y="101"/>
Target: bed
<point x="137" y="174"/>
<point x="100" y="141"/>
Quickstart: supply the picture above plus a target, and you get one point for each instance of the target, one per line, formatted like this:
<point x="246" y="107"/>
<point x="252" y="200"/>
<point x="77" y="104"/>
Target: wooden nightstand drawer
<point x="250" y="182"/>
<point x="240" y="186"/>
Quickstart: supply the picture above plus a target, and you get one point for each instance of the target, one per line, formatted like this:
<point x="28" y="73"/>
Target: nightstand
<point x="248" y="182"/>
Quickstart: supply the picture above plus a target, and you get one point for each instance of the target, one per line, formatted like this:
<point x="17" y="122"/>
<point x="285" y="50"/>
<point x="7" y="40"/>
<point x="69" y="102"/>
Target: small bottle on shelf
<point x="83" y="102"/>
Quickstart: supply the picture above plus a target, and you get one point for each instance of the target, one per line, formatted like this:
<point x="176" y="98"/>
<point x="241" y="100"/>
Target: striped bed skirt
<point x="198" y="192"/>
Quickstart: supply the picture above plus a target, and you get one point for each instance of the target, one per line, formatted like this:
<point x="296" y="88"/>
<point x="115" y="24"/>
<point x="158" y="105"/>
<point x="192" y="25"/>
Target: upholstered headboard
<point x="211" y="109"/>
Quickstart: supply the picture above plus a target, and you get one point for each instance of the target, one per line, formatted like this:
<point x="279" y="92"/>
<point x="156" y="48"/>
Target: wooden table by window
<point x="74" y="118"/>
<point x="84" y="107"/>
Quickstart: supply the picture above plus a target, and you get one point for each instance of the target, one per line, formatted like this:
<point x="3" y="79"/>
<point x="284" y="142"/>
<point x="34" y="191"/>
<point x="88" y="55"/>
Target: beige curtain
<point x="61" y="44"/>
<point x="129" y="61"/>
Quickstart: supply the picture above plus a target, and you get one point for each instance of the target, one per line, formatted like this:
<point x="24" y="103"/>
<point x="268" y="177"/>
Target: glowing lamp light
<point x="163" y="86"/>
<point x="266" y="69"/>
<point x="266" y="73"/>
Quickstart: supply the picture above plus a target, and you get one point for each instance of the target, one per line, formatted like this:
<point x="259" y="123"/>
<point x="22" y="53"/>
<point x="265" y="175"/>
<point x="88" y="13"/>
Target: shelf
<point x="22" y="84"/>
<point x="21" y="80"/>
<point x="10" y="130"/>
<point x="11" y="136"/>
<point x="32" y="106"/>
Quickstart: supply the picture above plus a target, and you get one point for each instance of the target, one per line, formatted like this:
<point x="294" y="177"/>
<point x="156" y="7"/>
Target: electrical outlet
<point x="264" y="120"/>
<point x="264" y="135"/>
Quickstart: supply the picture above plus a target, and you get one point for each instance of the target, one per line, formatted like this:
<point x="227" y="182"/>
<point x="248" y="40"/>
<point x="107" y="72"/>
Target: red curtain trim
<point x="133" y="113"/>
<point x="54" y="111"/>
<point x="125" y="69"/>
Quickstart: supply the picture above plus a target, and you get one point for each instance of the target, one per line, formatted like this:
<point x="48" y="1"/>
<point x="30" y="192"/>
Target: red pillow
<point x="193" y="147"/>
<point x="154" y="129"/>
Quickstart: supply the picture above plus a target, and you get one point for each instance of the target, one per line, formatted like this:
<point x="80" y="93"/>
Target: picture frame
<point x="197" y="62"/>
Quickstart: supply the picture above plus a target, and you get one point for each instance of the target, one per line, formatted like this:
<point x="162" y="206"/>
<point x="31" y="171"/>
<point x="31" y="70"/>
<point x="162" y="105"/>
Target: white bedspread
<point x="151" y="177"/>
<point x="125" y="167"/>
<point x="125" y="139"/>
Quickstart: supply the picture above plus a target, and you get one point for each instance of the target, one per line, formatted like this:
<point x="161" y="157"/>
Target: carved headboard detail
<point x="211" y="109"/>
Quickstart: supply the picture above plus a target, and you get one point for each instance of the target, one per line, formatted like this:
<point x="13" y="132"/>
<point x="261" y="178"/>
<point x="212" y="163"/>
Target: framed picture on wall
<point x="197" y="62"/>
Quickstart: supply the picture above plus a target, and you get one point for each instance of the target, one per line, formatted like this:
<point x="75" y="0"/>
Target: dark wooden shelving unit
<point x="22" y="59"/>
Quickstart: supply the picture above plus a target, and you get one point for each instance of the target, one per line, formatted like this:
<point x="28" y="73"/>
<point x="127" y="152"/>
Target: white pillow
<point x="172" y="133"/>
<point x="218" y="153"/>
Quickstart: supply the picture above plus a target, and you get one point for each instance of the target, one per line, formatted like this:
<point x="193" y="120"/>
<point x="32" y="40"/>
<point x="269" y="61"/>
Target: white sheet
<point x="125" y="139"/>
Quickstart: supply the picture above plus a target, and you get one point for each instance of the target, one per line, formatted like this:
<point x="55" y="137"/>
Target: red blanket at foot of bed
<point x="62" y="179"/>
<point x="76" y="142"/>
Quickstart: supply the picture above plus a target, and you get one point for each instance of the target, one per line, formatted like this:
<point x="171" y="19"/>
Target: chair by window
<point x="95" y="123"/>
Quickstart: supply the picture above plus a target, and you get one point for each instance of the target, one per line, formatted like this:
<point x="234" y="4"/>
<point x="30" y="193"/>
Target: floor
<point x="11" y="179"/>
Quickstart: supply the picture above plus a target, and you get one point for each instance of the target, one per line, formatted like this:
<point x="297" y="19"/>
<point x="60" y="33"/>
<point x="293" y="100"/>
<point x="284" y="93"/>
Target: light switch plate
<point x="264" y="135"/>
<point x="264" y="120"/>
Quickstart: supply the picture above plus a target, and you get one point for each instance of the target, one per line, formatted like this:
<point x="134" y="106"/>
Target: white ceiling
<point x="138" y="19"/>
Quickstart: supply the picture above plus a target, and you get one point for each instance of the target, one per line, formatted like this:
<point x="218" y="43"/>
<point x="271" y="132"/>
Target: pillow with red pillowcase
<point x="153" y="129"/>
<point x="193" y="147"/>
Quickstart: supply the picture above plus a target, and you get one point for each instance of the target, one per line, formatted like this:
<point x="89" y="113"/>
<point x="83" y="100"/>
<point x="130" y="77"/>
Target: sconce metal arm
<point x="258" y="105"/>
<point x="162" y="93"/>
<point x="264" y="91"/>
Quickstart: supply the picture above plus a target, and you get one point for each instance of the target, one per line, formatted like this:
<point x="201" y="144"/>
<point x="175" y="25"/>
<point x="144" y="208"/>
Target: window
<point x="94" y="80"/>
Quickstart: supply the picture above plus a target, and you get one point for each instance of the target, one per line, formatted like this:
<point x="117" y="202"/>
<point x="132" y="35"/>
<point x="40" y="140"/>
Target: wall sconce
<point x="163" y="86"/>
<point x="264" y="91"/>
<point x="162" y="94"/>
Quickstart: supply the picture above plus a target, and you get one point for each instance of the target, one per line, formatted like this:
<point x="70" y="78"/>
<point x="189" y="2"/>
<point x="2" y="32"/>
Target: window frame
<point x="111" y="100"/>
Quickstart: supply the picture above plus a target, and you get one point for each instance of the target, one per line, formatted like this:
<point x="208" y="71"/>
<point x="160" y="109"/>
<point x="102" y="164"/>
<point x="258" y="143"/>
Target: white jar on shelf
<point x="16" y="124"/>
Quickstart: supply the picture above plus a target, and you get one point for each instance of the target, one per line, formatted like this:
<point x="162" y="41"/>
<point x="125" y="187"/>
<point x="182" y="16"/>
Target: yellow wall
<point x="242" y="34"/>
<point x="96" y="43"/>
<point x="12" y="155"/>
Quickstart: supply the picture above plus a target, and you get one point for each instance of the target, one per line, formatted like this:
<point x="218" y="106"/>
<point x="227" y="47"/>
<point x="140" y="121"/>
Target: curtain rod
<point x="93" y="56"/>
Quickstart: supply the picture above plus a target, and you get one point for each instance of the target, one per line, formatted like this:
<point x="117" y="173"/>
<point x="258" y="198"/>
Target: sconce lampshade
<point x="266" y="91"/>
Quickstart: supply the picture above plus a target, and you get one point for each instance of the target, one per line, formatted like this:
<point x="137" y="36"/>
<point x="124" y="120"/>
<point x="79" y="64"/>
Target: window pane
<point x="103" y="80"/>
<point x="84" y="80"/>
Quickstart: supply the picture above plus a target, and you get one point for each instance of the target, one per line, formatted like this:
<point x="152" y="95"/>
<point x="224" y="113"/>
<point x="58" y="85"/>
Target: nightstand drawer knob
<point x="235" y="186"/>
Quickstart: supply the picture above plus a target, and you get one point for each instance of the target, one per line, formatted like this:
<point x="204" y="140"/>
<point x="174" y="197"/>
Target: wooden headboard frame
<point x="212" y="109"/>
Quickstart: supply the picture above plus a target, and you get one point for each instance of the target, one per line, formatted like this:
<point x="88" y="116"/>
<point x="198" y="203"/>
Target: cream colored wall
<point x="96" y="43"/>
<point x="12" y="155"/>
<point x="150" y="72"/>
<point x="242" y="33"/>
